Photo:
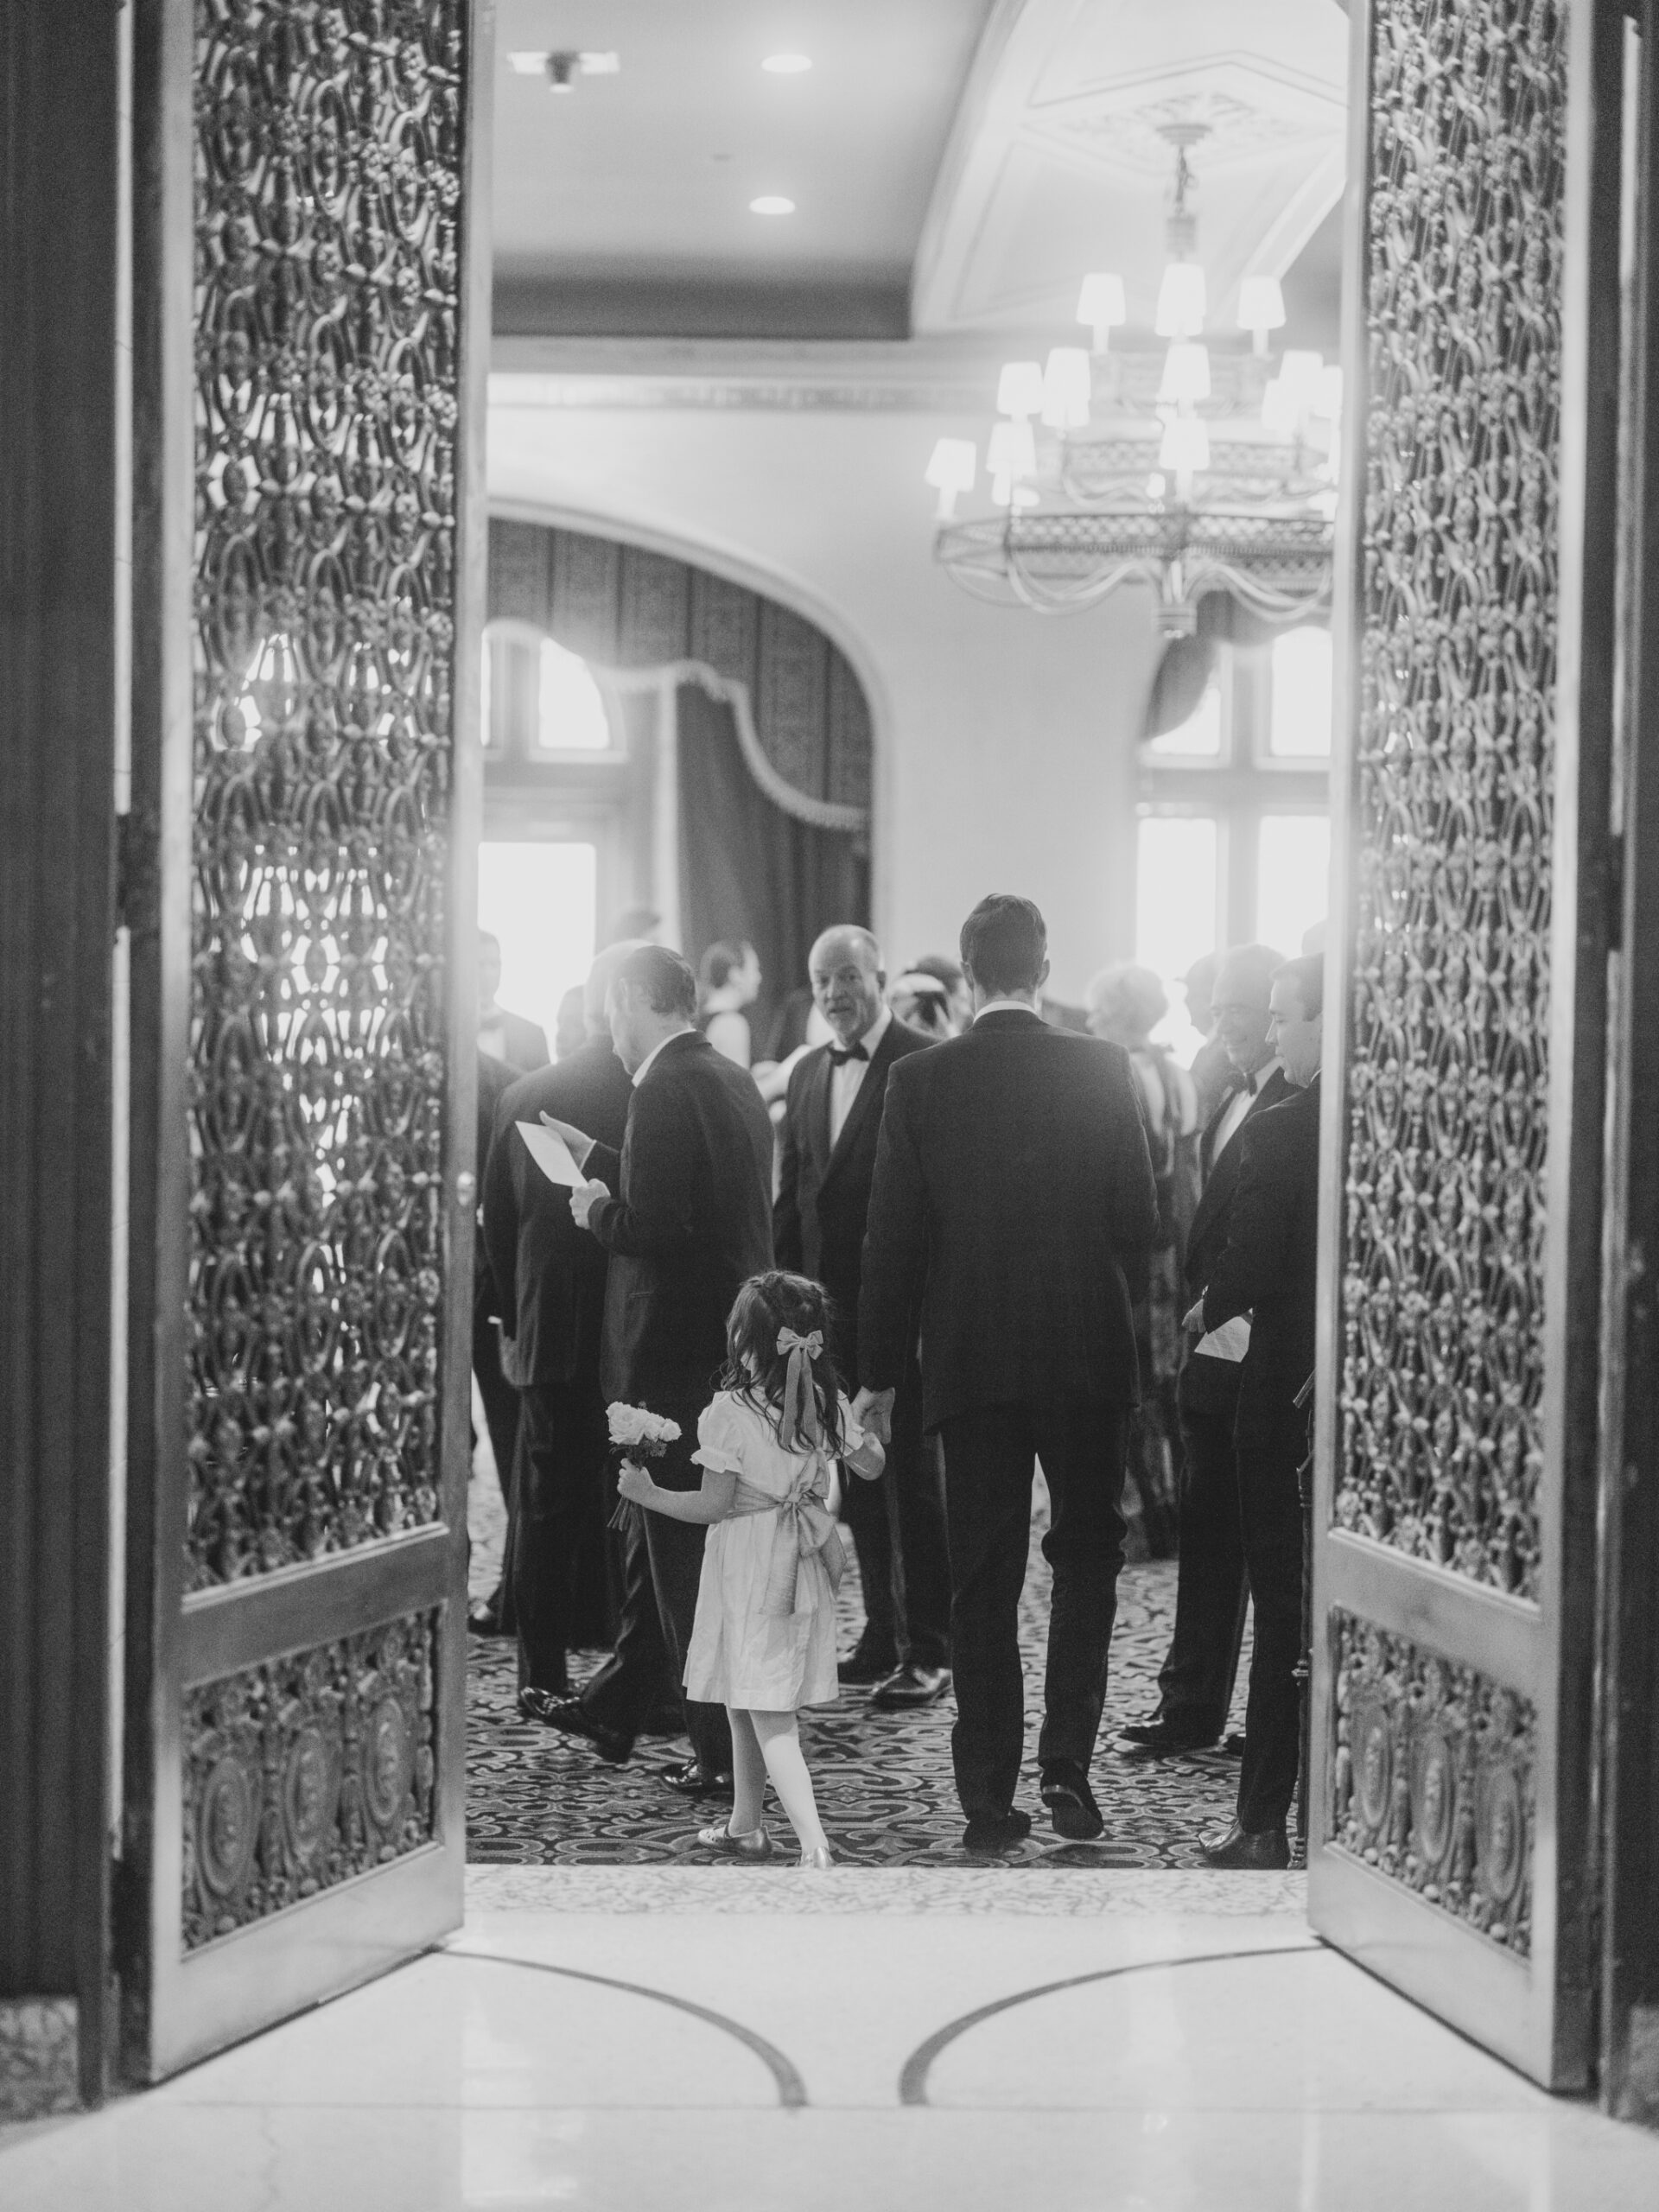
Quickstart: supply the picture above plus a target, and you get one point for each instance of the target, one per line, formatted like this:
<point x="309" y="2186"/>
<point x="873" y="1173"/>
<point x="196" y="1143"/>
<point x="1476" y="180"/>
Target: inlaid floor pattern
<point x="884" y="1780"/>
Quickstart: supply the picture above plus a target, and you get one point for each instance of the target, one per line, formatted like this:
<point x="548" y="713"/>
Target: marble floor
<point x="680" y="2040"/>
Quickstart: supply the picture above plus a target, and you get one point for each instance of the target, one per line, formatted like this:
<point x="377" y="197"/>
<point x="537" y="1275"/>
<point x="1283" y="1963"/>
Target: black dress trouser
<point x="1211" y="1593"/>
<point x="557" y="1539"/>
<point x="662" y="1568"/>
<point x="897" y="1528"/>
<point x="1272" y="1439"/>
<point x="990" y="1455"/>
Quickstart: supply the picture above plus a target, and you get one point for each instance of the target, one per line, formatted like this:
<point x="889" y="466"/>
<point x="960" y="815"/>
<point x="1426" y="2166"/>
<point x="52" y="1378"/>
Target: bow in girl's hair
<point x="800" y="1426"/>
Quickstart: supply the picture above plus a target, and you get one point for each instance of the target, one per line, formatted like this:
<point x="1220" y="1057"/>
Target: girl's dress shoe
<point x="757" y="1843"/>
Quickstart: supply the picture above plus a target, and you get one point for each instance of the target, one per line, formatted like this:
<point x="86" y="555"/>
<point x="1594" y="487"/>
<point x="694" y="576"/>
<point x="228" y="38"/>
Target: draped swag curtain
<point x="749" y="865"/>
<point x="1188" y="663"/>
<point x="747" y="869"/>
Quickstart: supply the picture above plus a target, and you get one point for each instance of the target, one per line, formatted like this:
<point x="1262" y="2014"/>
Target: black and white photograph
<point x="829" y="869"/>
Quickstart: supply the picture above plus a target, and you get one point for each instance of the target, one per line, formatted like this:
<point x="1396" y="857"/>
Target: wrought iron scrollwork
<point x="1433" y="1781"/>
<point x="328" y="149"/>
<point x="1442" y="1285"/>
<point x="304" y="1772"/>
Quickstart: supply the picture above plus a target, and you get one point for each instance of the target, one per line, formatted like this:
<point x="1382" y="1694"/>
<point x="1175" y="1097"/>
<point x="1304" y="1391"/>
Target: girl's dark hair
<point x="765" y="1304"/>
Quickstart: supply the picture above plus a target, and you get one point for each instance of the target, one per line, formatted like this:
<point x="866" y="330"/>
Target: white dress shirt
<point x="1006" y="1006"/>
<point x="644" y="1068"/>
<point x="844" y="1080"/>
<point x="1232" y="1339"/>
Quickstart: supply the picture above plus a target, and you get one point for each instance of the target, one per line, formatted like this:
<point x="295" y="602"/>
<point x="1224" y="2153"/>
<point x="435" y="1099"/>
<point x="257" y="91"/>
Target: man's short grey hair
<point x="857" y="932"/>
<point x="597" y="990"/>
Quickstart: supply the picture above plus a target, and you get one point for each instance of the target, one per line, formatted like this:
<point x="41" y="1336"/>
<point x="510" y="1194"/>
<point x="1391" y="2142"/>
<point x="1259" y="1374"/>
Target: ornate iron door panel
<point x="1453" y="1573"/>
<point x="305" y="1062"/>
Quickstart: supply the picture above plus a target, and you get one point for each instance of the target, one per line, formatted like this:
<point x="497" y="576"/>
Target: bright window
<point x="541" y="900"/>
<point x="571" y="716"/>
<point x="1293" y="879"/>
<point x="1299" y="717"/>
<point x="1177" y="919"/>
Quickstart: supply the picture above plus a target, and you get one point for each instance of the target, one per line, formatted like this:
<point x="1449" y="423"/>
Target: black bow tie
<point x="840" y="1054"/>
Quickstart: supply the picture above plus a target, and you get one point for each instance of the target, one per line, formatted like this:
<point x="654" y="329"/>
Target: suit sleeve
<point x="786" y="1242"/>
<point x="895" y="1249"/>
<point x="604" y="1165"/>
<point x="1134" y="1193"/>
<point x="1255" y="1261"/>
<point x="657" y="1220"/>
<point x="501" y="1224"/>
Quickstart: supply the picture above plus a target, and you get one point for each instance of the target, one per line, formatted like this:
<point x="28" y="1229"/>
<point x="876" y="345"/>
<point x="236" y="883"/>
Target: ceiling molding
<point x="951" y="378"/>
<point x="1056" y="164"/>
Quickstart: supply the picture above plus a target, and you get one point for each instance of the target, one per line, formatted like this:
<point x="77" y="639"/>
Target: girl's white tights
<point x="770" y="1744"/>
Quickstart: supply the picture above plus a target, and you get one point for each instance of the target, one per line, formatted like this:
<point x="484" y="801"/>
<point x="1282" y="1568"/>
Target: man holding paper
<point x="549" y="1282"/>
<point x="684" y="1212"/>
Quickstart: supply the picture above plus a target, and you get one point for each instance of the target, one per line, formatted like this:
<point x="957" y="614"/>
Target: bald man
<point x="831" y="1121"/>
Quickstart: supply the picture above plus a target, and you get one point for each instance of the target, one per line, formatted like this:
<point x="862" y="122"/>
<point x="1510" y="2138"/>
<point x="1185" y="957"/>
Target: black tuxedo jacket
<point x="1206" y="1239"/>
<point x="549" y="1275"/>
<point x="692" y="1223"/>
<point x="525" y="1042"/>
<point x="823" y="1194"/>
<point x="1270" y="1263"/>
<point x="1011" y="1177"/>
<point x="495" y="1079"/>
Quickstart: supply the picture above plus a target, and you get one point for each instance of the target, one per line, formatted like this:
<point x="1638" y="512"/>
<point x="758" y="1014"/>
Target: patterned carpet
<point x="883" y="1780"/>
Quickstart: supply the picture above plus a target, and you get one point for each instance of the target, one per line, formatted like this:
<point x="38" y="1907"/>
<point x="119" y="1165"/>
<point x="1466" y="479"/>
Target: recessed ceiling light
<point x="787" y="65"/>
<point x="772" y="203"/>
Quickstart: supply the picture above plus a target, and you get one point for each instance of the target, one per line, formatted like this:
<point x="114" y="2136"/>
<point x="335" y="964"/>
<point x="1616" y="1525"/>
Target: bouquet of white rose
<point x="639" y="1435"/>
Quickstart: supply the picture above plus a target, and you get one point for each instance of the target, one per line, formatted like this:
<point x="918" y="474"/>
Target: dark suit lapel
<point x="817" y="1113"/>
<point x="875" y="1083"/>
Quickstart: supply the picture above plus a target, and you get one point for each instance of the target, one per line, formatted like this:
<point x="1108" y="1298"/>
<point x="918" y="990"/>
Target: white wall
<point x="1005" y="738"/>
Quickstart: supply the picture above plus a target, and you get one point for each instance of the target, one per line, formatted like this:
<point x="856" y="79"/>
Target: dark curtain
<point x="747" y="869"/>
<point x="1188" y="663"/>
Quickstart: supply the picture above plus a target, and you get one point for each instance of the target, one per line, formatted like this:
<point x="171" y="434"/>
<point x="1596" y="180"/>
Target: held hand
<point x="580" y="1142"/>
<point x="634" y="1483"/>
<point x="872" y="1409"/>
<point x="583" y="1199"/>
<point x="1194" y="1321"/>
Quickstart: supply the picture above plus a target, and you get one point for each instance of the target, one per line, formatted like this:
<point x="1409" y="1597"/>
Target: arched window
<point x="540" y="700"/>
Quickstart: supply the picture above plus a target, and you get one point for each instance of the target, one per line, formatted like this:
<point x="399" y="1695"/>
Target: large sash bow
<point x="808" y="1560"/>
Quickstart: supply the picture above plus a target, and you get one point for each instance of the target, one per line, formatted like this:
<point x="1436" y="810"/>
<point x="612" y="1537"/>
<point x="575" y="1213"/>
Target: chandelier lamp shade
<point x="1207" y="467"/>
<point x="1103" y="306"/>
<point x="951" y="472"/>
<point x="1261" y="309"/>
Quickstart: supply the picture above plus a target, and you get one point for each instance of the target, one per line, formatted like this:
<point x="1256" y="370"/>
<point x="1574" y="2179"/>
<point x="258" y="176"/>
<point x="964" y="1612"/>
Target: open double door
<point x="310" y="312"/>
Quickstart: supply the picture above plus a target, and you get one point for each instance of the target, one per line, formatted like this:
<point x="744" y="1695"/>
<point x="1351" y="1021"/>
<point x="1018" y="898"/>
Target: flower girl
<point x="764" y="1641"/>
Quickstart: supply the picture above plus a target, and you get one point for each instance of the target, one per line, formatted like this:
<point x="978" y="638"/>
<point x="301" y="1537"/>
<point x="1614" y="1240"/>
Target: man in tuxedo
<point x="510" y="1037"/>
<point x="1269" y="1270"/>
<point x="1012" y="1175"/>
<point x="1196" y="1683"/>
<point x="832" y="1119"/>
<point x="685" y="1212"/>
<point x="489" y="1615"/>
<point x="549" y="1286"/>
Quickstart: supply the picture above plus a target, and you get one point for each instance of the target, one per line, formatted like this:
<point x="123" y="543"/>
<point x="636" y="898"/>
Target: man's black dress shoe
<point x="994" y="1831"/>
<point x="1162" y="1739"/>
<point x="865" y="1664"/>
<point x="1070" y="1802"/>
<point x="690" y="1781"/>
<point x="910" y="1685"/>
<point x="572" y="1718"/>
<point x="1268" y="1848"/>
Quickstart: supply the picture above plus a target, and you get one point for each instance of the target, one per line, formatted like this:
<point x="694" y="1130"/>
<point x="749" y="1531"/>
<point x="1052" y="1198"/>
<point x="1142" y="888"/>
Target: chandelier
<point x="1187" y="471"/>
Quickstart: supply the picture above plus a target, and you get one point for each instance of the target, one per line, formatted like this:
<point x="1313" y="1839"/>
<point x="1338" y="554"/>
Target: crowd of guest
<point x="1031" y="1234"/>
